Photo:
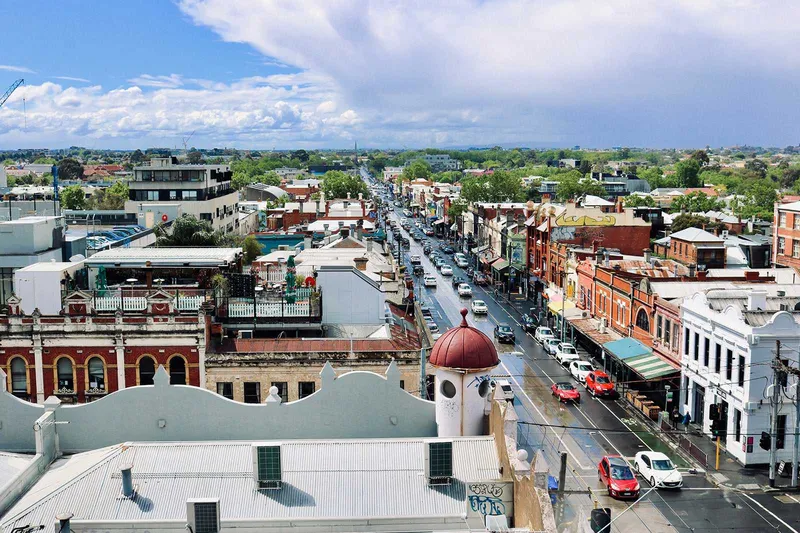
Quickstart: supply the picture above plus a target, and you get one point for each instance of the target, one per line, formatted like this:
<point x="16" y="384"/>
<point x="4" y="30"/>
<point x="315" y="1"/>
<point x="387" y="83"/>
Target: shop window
<point x="147" y="369"/>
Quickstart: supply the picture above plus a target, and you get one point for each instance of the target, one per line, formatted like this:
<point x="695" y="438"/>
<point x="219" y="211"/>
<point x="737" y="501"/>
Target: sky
<point x="291" y="74"/>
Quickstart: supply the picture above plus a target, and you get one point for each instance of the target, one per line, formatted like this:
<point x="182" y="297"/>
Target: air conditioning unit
<point x="439" y="462"/>
<point x="202" y="515"/>
<point x="267" y="465"/>
<point x="246" y="334"/>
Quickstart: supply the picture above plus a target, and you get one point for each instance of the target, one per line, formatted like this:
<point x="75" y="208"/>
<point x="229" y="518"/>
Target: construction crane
<point x="10" y="90"/>
<point x="186" y="141"/>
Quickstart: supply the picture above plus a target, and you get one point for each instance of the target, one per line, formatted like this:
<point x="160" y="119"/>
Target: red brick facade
<point x="786" y="237"/>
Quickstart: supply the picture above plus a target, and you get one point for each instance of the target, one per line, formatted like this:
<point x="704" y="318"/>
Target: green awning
<point x="639" y="358"/>
<point x="500" y="264"/>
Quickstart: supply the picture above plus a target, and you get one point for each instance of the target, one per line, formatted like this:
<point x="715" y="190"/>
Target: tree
<point x="573" y="185"/>
<point x="502" y="186"/>
<point x="448" y="176"/>
<point x="187" y="230"/>
<point x="682" y="222"/>
<point x="45" y="161"/>
<point x="585" y="167"/>
<point x="73" y="197"/>
<point x="696" y="202"/>
<point x="302" y="155"/>
<point x="137" y="156"/>
<point x="759" y="200"/>
<point x="457" y="209"/>
<point x="69" y="169"/>
<point x="337" y="184"/>
<point x="758" y="166"/>
<point x="194" y="157"/>
<point x="636" y="200"/>
<point x="701" y="156"/>
<point x="110" y="198"/>
<point x="418" y="169"/>
<point x="252" y="248"/>
<point x="688" y="172"/>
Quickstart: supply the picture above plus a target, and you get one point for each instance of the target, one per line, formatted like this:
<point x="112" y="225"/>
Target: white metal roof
<point x="137" y="257"/>
<point x="351" y="479"/>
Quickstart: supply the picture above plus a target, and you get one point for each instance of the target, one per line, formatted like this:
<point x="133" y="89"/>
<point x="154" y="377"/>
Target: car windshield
<point x="504" y="329"/>
<point x="585" y="368"/>
<point x="545" y="331"/>
<point x="565" y="386"/>
<point x="663" y="464"/>
<point x="569" y="350"/>
<point x="621" y="472"/>
<point x="602" y="379"/>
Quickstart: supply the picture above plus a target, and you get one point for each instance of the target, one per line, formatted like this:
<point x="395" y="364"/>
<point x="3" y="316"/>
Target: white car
<point x="551" y="345"/>
<point x="580" y="369"/>
<point x="658" y="470"/>
<point x="429" y="281"/>
<point x="446" y="270"/>
<point x="415" y="260"/>
<point x="505" y="389"/>
<point x="462" y="262"/>
<point x="464" y="290"/>
<point x="566" y="353"/>
<point x="542" y="333"/>
<point x="479" y="307"/>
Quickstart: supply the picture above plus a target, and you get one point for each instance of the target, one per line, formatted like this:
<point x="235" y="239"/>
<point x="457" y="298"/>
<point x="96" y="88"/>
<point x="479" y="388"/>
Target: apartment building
<point x="786" y="235"/>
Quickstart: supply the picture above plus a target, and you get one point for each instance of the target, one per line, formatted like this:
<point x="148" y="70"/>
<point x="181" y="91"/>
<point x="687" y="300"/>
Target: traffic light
<point x="600" y="520"/>
<point x="765" y="442"/>
<point x="713" y="412"/>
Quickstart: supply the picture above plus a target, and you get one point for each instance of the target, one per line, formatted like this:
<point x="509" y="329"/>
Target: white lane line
<point x="773" y="515"/>
<point x="519" y="387"/>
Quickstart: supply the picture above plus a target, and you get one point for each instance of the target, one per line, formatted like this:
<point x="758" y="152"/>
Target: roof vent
<point x="439" y="462"/>
<point x="202" y="515"/>
<point x="757" y="300"/>
<point x="267" y="465"/>
<point x="63" y="522"/>
<point x="127" y="480"/>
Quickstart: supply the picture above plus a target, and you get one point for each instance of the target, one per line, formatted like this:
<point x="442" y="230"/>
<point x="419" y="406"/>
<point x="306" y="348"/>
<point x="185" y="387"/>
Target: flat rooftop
<point x="164" y="257"/>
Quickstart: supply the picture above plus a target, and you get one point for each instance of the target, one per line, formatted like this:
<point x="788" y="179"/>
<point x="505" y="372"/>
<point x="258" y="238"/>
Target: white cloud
<point x="147" y="80"/>
<point x="328" y="106"/>
<point x="71" y="78"/>
<point x="12" y="68"/>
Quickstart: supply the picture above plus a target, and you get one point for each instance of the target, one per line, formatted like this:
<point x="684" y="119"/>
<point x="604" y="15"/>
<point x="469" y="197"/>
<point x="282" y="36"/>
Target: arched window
<point x="147" y="369"/>
<point x="642" y="321"/>
<point x="66" y="379"/>
<point x="19" y="376"/>
<point x="177" y="371"/>
<point x="97" y="376"/>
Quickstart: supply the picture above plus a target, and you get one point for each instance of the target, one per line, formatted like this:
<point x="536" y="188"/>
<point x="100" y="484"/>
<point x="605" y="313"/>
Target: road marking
<point x="776" y="517"/>
<point x="519" y="387"/>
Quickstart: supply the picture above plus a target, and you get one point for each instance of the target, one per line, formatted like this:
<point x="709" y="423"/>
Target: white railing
<point x="112" y="303"/>
<point x="189" y="303"/>
<point x="269" y="309"/>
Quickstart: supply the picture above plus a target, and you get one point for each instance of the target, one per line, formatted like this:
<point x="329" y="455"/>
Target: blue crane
<point x="10" y="90"/>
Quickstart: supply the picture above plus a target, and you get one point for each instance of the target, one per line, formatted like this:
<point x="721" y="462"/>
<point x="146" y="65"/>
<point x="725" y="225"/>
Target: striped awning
<point x="651" y="366"/>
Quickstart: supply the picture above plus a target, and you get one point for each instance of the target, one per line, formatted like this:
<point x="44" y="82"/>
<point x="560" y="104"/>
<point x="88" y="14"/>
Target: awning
<point x="414" y="204"/>
<point x="488" y="260"/>
<point x="479" y="249"/>
<point x="640" y="358"/>
<point x="500" y="264"/>
<point x="438" y="222"/>
<point x="555" y="307"/>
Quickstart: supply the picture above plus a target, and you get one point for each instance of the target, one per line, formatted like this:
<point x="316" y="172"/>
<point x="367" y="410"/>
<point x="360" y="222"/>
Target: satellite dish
<point x="77" y="258"/>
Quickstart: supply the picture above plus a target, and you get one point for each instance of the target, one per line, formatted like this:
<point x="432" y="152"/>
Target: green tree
<point x="636" y="200"/>
<point x="187" y="230"/>
<point x="302" y="155"/>
<point x="701" y="156"/>
<point x="110" y="198"/>
<point x="585" y="167"/>
<point x="682" y="222"/>
<point x="45" y="161"/>
<point x="69" y="169"/>
<point x="759" y="200"/>
<point x="448" y="176"/>
<point x="688" y="172"/>
<point x="337" y="184"/>
<point x="137" y="157"/>
<point x="252" y="248"/>
<point x="573" y="185"/>
<point x="418" y="169"/>
<point x="757" y="166"/>
<point x="457" y="209"/>
<point x="696" y="202"/>
<point x="73" y="197"/>
<point x="502" y="186"/>
<point x="194" y="157"/>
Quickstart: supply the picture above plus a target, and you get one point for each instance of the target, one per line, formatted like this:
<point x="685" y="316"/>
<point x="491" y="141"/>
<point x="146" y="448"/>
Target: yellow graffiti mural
<point x="584" y="220"/>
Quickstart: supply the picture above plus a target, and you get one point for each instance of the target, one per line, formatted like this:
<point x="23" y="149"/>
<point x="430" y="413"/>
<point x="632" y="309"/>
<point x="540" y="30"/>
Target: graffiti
<point x="487" y="489"/>
<point x="562" y="233"/>
<point x="486" y="505"/>
<point x="564" y="220"/>
<point x="477" y="380"/>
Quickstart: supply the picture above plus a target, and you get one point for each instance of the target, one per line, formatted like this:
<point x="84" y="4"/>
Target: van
<point x="505" y="389"/>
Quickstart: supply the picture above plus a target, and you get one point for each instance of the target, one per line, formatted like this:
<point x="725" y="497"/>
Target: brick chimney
<point x="361" y="263"/>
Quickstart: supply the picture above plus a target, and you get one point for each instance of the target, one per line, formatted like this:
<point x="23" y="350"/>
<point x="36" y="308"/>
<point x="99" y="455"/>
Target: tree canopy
<point x="634" y="200"/>
<point x="73" y="197"/>
<point x="110" y="198"/>
<point x="337" y="184"/>
<point x="418" y="169"/>
<point x="696" y="202"/>
<point x="69" y="169"/>
<point x="682" y="222"/>
<point x="187" y="230"/>
<point x="502" y="186"/>
<point x="573" y="185"/>
<point x="688" y="173"/>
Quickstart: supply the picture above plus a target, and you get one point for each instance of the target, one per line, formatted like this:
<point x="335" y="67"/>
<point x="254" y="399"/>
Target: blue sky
<point x="323" y="73"/>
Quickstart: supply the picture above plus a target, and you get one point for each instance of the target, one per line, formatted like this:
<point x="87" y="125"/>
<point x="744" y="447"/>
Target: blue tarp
<point x="626" y="348"/>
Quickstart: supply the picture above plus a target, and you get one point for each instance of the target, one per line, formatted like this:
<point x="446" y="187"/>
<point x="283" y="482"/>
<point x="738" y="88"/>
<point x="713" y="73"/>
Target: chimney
<point x="307" y="242"/>
<point x="348" y="197"/>
<point x="701" y="274"/>
<point x="750" y="275"/>
<point x="599" y="256"/>
<point x="359" y="233"/>
<point x="605" y="257"/>
<point x="344" y="232"/>
<point x="63" y="522"/>
<point x="327" y="230"/>
<point x="369" y="244"/>
<point x="127" y="480"/>
<point x="757" y="300"/>
<point x="361" y="263"/>
<point x="647" y="254"/>
<point x="692" y="270"/>
<point x="620" y="207"/>
<point x="360" y="196"/>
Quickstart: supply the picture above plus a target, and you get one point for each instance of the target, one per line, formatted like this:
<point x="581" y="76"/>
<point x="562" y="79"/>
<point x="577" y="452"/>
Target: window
<point x="269" y="466"/>
<point x="147" y="369"/>
<point x="728" y="365"/>
<point x="741" y="371"/>
<point x="796" y="221"/>
<point x="737" y="425"/>
<point x="225" y="389"/>
<point x="659" y="327"/>
<point x="796" y="248"/>
<point x="177" y="371"/>
<point x="447" y="389"/>
<point x="97" y="376"/>
<point x="782" y="220"/>
<point x="686" y="341"/>
<point x="667" y="331"/>
<point x="441" y="459"/>
<point x="189" y="195"/>
<point x="66" y="379"/>
<point x="19" y="376"/>
<point x="706" y="349"/>
<point x="173" y="195"/>
<point x="305" y="388"/>
<point x="696" y="346"/>
<point x="780" y="437"/>
<point x="252" y="392"/>
<point x="642" y="320"/>
<point x="781" y="245"/>
<point x="283" y="390"/>
<point x="717" y="357"/>
<point x="206" y="216"/>
<point x="403" y="384"/>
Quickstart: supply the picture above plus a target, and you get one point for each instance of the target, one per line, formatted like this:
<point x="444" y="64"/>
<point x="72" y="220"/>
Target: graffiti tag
<point x="487" y="489"/>
<point x="486" y="505"/>
<point x="477" y="380"/>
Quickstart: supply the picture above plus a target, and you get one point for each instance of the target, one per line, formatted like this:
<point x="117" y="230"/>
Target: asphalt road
<point x="594" y="428"/>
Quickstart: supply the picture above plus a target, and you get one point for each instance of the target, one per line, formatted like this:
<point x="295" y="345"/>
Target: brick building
<point x="694" y="246"/>
<point x="786" y="235"/>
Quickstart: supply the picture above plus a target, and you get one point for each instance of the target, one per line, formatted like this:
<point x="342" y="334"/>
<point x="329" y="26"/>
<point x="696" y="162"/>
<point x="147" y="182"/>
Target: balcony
<point x="134" y="299"/>
<point x="271" y="308"/>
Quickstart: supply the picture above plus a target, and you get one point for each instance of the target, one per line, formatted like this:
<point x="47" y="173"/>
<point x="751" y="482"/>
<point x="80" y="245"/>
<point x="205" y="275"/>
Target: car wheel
<point x="652" y="482"/>
<point x="636" y="467"/>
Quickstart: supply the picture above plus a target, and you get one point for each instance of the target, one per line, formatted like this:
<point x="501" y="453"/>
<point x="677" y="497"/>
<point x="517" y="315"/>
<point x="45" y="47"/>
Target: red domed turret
<point x="464" y="347"/>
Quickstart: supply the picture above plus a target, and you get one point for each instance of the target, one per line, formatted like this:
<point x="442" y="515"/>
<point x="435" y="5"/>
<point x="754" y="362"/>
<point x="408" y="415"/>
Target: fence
<point x="187" y="299"/>
<point x="273" y="306"/>
<point x="683" y="441"/>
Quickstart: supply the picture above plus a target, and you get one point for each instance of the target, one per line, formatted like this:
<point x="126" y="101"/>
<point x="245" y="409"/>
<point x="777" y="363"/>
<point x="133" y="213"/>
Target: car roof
<point x="562" y="383"/>
<point x="616" y="460"/>
<point x="478" y="302"/>
<point x="567" y="345"/>
<point x="658" y="456"/>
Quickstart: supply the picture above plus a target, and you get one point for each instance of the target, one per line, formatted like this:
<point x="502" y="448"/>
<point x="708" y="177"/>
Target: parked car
<point x="457" y="280"/>
<point x="566" y="353"/>
<point x="504" y="333"/>
<point x="415" y="260"/>
<point x="426" y="249"/>
<point x="599" y="384"/>
<point x="480" y="279"/>
<point x="528" y="323"/>
<point x="447" y="270"/>
<point x="565" y="392"/>
<point x="464" y="290"/>
<point x="542" y="333"/>
<point x="658" y="470"/>
<point x="580" y="369"/>
<point x="505" y="389"/>
<point x="462" y="262"/>
<point x="428" y="232"/>
<point x="479" y="307"/>
<point x="429" y="280"/>
<point x="617" y="476"/>
<point x="551" y="345"/>
<point x="449" y="250"/>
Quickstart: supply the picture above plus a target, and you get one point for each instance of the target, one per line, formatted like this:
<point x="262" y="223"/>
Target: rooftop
<point x="137" y="257"/>
<point x="696" y="235"/>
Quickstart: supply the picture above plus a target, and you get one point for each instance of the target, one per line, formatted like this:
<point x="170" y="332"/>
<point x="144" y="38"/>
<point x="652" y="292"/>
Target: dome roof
<point x="464" y="347"/>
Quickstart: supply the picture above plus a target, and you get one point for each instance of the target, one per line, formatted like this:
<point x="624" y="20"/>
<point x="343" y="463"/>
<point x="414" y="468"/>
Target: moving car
<point x="480" y="279"/>
<point x="542" y="333"/>
<point x="599" y="384"/>
<point x="462" y="262"/>
<point x="464" y="290"/>
<point x="479" y="307"/>
<point x="447" y="270"/>
<point x="658" y="470"/>
<point x="429" y="280"/>
<point x="504" y="333"/>
<point x="419" y="270"/>
<point x="505" y="388"/>
<point x="580" y="369"/>
<point x="551" y="345"/>
<point x="566" y="353"/>
<point x="457" y="280"/>
<point x="617" y="476"/>
<point x="528" y="323"/>
<point x="565" y="392"/>
<point x="415" y="260"/>
<point x="426" y="249"/>
<point x="449" y="250"/>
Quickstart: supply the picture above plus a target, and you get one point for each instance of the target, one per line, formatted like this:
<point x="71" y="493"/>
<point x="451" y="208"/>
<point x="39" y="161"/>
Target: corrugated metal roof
<point x="353" y="479"/>
<point x="10" y="465"/>
<point x="162" y="256"/>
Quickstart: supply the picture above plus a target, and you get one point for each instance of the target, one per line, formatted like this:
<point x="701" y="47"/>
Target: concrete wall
<point x="354" y="405"/>
<point x="349" y="297"/>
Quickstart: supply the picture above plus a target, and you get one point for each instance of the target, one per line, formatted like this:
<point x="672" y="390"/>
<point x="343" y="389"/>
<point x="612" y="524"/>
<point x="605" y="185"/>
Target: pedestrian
<point x="676" y="417"/>
<point x="687" y="419"/>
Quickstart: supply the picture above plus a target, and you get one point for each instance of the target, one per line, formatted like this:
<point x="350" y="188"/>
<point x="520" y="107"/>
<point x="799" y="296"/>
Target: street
<point x="594" y="428"/>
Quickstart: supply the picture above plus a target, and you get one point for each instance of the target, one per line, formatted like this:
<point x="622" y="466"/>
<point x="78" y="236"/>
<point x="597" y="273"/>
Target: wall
<point x="349" y="297"/>
<point x="164" y="412"/>
<point x="790" y="236"/>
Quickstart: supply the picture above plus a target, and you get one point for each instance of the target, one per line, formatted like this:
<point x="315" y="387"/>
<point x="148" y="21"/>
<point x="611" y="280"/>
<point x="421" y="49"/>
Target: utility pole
<point x="796" y="451"/>
<point x="773" y="423"/>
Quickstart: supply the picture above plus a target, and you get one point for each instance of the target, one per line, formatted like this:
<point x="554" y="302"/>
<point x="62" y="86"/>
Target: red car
<point x="599" y="384"/>
<point x="565" y="392"/>
<point x="617" y="475"/>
